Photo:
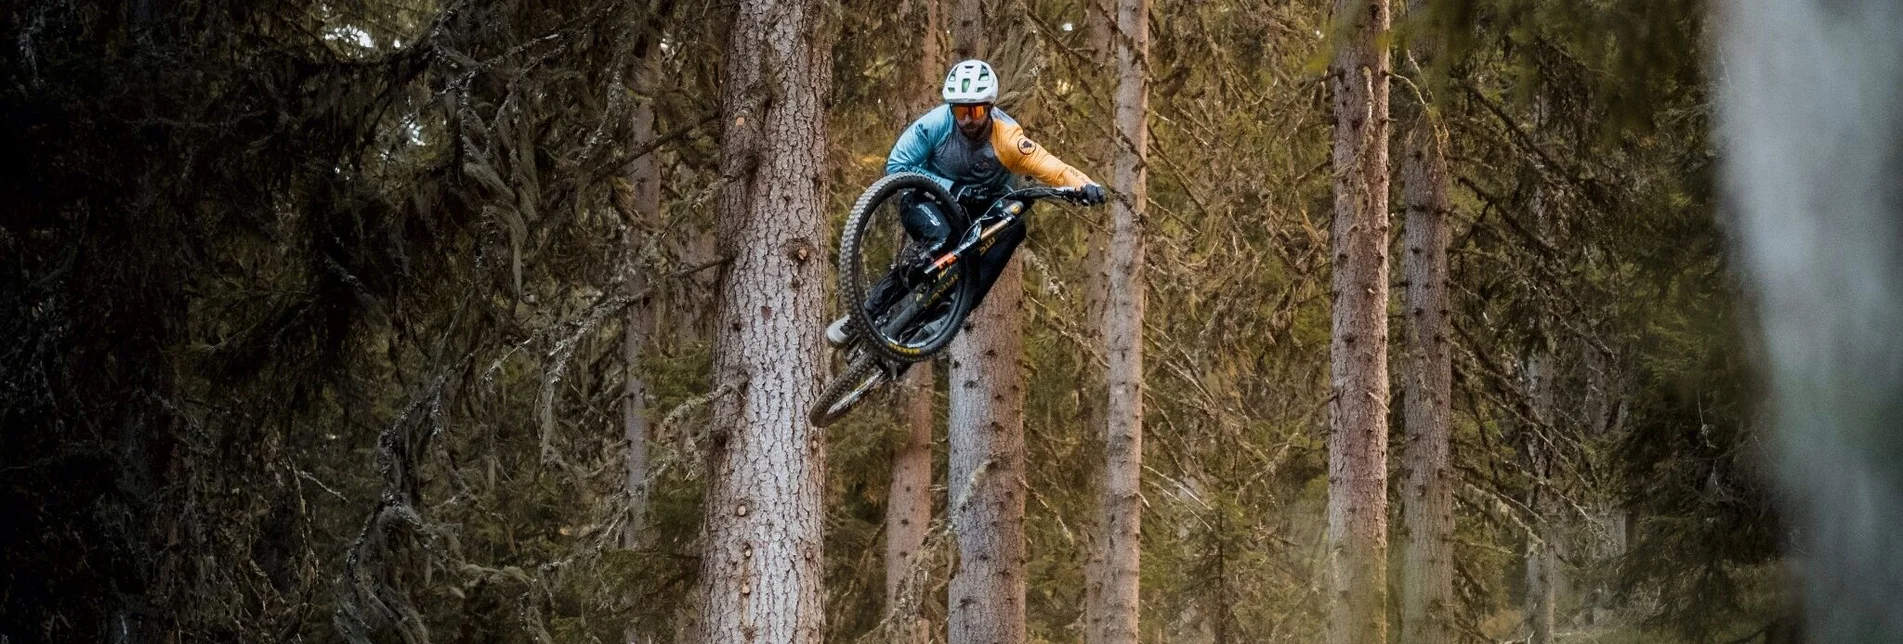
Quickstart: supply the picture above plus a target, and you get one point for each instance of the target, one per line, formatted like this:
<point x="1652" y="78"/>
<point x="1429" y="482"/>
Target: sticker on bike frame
<point x="942" y="287"/>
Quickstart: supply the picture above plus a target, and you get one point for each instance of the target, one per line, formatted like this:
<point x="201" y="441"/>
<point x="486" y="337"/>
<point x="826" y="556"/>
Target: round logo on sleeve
<point x="1026" y="146"/>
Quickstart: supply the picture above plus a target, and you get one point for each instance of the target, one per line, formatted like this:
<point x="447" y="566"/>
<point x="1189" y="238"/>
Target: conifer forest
<point x="1357" y="321"/>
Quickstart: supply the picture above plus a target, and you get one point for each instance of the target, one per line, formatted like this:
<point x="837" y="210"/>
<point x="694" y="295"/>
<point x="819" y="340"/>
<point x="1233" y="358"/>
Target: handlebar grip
<point x="1067" y="194"/>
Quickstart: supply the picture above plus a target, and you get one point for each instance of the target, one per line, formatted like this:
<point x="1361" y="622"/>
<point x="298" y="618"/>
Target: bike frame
<point x="1007" y="211"/>
<point x="870" y="369"/>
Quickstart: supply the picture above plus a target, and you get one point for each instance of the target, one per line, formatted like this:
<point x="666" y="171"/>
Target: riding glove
<point x="1092" y="193"/>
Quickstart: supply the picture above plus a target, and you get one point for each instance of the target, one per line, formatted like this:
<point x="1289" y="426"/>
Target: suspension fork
<point x="980" y="234"/>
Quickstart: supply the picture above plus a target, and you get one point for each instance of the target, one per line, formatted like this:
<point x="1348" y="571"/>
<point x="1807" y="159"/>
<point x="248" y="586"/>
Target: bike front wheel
<point x="902" y="310"/>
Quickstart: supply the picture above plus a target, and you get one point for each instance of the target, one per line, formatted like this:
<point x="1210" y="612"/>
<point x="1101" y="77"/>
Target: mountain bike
<point x="905" y="303"/>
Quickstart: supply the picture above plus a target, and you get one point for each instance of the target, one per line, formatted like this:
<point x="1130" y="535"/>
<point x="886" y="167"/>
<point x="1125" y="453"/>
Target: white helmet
<point x="971" y="81"/>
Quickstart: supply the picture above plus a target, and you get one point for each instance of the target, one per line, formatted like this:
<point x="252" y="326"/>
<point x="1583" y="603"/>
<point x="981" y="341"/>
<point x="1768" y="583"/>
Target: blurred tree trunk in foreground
<point x="1810" y="121"/>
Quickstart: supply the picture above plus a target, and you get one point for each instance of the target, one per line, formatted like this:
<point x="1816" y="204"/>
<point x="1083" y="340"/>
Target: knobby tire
<point x="852" y="288"/>
<point x="846" y="392"/>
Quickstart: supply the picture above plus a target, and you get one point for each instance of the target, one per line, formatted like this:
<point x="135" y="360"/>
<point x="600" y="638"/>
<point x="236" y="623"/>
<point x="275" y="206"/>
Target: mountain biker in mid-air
<point x="974" y="150"/>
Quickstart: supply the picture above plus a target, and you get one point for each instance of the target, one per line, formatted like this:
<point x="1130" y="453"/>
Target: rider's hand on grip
<point x="973" y="193"/>
<point x="1090" y="195"/>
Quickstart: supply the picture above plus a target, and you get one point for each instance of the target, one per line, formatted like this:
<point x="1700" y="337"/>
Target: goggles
<point x="977" y="112"/>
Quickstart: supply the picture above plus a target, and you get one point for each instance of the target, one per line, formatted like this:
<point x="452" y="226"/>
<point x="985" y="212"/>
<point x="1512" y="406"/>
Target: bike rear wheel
<point x="903" y="312"/>
<point x="865" y="376"/>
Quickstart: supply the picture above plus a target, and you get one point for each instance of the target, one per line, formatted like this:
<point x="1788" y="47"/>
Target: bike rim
<point x="904" y="310"/>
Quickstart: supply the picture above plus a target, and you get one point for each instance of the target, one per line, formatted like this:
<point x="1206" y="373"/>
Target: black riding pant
<point x="927" y="226"/>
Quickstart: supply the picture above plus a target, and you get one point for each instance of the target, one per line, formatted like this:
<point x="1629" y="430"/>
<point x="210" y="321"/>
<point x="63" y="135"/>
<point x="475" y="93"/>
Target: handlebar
<point x="966" y="194"/>
<point x="1008" y="215"/>
<point x="1072" y="195"/>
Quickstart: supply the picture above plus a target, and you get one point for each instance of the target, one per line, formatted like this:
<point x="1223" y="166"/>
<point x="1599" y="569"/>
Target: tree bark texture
<point x="1099" y="16"/>
<point x="932" y="65"/>
<point x="1542" y="574"/>
<point x="1598" y="396"/>
<point x="761" y="572"/>
<point x="1427" y="496"/>
<point x="1357" y="442"/>
<point x="1541" y="592"/>
<point x="642" y="211"/>
<point x="908" y="511"/>
<point x="1609" y="517"/>
<point x="968" y="30"/>
<point x="634" y="420"/>
<point x="987" y="433"/>
<point x="1115" y="618"/>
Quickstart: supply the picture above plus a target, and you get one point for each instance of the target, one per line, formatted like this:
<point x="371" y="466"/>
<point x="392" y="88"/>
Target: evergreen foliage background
<point x="310" y="317"/>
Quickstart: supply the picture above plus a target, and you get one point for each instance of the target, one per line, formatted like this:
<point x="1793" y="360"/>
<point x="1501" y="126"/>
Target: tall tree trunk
<point x="931" y="59"/>
<point x="1538" y="368"/>
<point x="1542" y="584"/>
<point x="634" y="420"/>
<point x="931" y="63"/>
<point x="986" y="432"/>
<point x="1597" y="406"/>
<point x="1541" y="591"/>
<point x="1609" y="515"/>
<point x="1120" y="518"/>
<point x="761" y="572"/>
<point x="968" y="29"/>
<point x="1357" y="442"/>
<point x="639" y="200"/>
<point x="1808" y="121"/>
<point x="1099" y="20"/>
<point x="640" y="205"/>
<point x="908" y="509"/>
<point x="1427" y="589"/>
<point x="987" y="465"/>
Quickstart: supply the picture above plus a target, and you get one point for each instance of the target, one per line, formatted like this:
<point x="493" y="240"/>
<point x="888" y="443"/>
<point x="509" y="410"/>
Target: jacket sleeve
<point x="914" y="148"/>
<point x="1023" y="156"/>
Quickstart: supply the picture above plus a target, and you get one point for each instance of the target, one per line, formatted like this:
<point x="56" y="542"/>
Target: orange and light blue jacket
<point x="932" y="146"/>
